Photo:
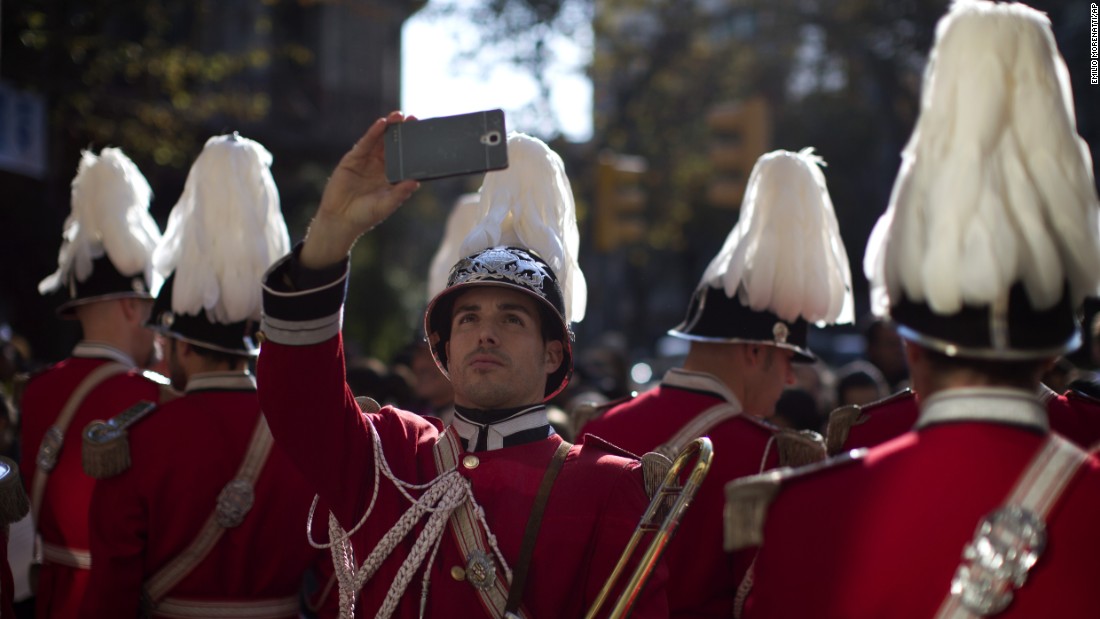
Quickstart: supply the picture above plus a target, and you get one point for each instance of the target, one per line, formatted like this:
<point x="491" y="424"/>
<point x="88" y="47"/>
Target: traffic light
<point x="741" y="133"/>
<point x="620" y="200"/>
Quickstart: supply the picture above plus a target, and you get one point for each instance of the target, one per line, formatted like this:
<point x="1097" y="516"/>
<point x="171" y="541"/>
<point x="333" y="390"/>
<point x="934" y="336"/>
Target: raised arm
<point x="300" y="373"/>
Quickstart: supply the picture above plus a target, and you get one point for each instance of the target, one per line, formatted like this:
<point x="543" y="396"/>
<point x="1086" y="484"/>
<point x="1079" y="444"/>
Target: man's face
<point x="496" y="356"/>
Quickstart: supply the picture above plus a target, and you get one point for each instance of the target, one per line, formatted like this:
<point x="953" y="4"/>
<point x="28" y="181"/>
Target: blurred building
<point x="302" y="77"/>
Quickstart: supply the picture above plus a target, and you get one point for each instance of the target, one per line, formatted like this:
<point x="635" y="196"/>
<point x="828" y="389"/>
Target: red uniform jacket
<point x="183" y="455"/>
<point x="594" y="506"/>
<point x="703" y="579"/>
<point x="1073" y="415"/>
<point x="63" y="516"/>
<point x="882" y="536"/>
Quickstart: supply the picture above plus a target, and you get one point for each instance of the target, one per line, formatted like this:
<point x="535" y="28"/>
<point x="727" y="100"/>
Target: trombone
<point x="702" y="451"/>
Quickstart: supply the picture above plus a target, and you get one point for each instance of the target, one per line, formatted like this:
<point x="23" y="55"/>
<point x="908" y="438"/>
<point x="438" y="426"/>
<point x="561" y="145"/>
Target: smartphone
<point x="446" y="146"/>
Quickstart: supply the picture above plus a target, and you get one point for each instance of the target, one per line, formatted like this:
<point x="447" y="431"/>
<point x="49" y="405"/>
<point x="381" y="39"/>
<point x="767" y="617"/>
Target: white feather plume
<point x="785" y="255"/>
<point x="224" y="232"/>
<point x="110" y="215"/>
<point x="530" y="204"/>
<point x="460" y="221"/>
<point x="995" y="186"/>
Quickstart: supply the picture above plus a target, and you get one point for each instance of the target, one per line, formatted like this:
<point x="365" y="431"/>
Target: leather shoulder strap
<point x="530" y="535"/>
<point x="491" y="584"/>
<point x="50" y="448"/>
<point x="233" y="504"/>
<point x="1019" y="522"/>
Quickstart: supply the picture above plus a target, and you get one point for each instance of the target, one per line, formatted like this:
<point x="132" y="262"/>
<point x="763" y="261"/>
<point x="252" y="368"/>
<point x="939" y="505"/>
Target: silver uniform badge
<point x="234" y="503"/>
<point x="512" y="266"/>
<point x="480" y="571"/>
<point x="1006" y="545"/>
<point x="50" y="449"/>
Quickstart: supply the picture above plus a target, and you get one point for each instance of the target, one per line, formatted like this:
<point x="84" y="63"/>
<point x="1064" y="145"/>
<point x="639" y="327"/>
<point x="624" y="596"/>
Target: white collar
<point x="987" y="404"/>
<point x="526" y="419"/>
<point x="99" y="350"/>
<point x="700" y="381"/>
<point x="221" y="381"/>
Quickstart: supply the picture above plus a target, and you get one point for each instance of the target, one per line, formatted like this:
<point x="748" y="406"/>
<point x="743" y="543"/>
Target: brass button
<point x="470" y="462"/>
<point x="458" y="573"/>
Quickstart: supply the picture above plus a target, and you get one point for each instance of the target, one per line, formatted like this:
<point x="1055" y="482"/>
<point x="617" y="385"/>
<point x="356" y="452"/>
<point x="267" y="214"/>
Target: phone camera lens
<point x="492" y="138"/>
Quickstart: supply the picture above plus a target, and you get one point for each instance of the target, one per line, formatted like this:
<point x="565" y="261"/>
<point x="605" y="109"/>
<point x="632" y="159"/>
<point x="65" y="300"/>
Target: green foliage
<point x="135" y="74"/>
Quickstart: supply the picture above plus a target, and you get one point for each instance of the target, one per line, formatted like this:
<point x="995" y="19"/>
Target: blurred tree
<point x="842" y="76"/>
<point x="136" y="72"/>
<point x="157" y="78"/>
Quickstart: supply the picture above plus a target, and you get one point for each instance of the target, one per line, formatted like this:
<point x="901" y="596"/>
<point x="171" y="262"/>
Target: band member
<point x="196" y="512"/>
<point x="988" y="246"/>
<point x="496" y="514"/>
<point x="747" y="322"/>
<point x="105" y="280"/>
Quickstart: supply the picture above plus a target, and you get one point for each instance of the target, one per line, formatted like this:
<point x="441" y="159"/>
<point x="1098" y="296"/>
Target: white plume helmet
<point x="995" y="187"/>
<point x="109" y="216"/>
<point x="785" y="255"/>
<point x="530" y="205"/>
<point x="460" y="221"/>
<point x="224" y="232"/>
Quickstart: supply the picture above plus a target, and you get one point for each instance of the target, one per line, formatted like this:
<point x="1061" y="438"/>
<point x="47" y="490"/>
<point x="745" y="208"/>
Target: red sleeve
<point x="117" y="527"/>
<point x="316" y="421"/>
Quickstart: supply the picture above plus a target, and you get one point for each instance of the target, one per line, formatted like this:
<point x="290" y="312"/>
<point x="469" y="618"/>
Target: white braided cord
<point x="442" y="496"/>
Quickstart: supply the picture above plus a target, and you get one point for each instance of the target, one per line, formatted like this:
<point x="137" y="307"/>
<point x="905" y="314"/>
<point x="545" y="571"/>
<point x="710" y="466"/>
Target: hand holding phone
<point x="357" y="198"/>
<point x="446" y="146"/>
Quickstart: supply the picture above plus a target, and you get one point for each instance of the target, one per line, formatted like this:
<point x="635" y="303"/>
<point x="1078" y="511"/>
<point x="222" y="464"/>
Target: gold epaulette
<point x="14" y="503"/>
<point x="655" y="467"/>
<point x="840" y="423"/>
<point x="106" y="449"/>
<point x="368" y="405"/>
<point x="799" y="447"/>
<point x="747" y="503"/>
<point x="749" y="498"/>
<point x="846" y="417"/>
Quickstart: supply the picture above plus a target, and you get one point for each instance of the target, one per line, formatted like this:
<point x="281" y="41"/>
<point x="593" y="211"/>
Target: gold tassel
<point x="747" y="503"/>
<point x="800" y="448"/>
<point x="841" y="421"/>
<point x="106" y="450"/>
<point x="655" y="467"/>
<point x="14" y="503"/>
